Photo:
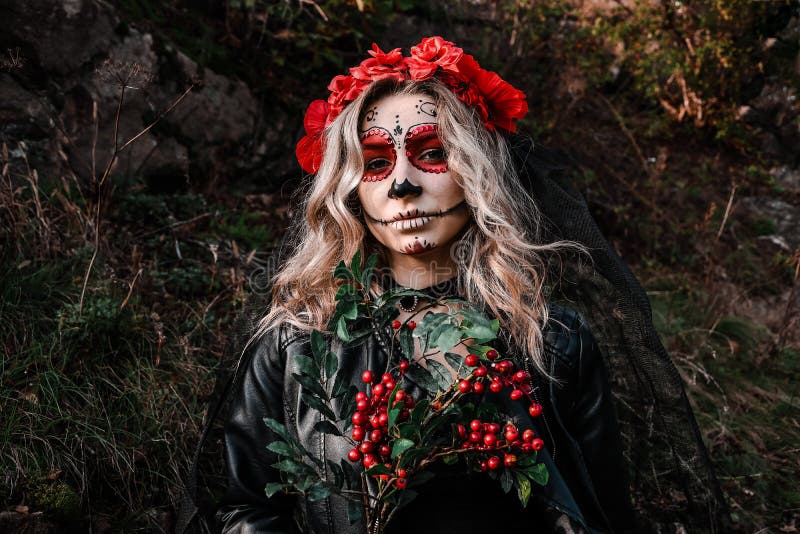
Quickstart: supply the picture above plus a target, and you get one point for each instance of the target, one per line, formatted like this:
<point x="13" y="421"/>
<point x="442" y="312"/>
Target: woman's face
<point x="411" y="202"/>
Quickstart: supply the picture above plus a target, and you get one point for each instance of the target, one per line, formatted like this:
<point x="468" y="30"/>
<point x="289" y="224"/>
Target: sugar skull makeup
<point x="412" y="203"/>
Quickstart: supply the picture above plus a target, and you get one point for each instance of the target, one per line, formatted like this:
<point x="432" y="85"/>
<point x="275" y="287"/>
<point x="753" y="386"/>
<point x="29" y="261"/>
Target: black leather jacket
<point x="589" y="478"/>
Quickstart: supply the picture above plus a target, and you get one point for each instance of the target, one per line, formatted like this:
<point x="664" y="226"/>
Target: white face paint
<point x="410" y="200"/>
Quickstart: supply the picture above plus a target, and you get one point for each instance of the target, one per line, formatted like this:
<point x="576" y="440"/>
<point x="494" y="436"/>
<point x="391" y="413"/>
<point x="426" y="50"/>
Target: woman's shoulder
<point x="568" y="336"/>
<point x="276" y="341"/>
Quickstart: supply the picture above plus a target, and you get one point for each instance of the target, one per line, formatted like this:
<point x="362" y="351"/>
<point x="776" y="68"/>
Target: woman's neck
<point x="418" y="271"/>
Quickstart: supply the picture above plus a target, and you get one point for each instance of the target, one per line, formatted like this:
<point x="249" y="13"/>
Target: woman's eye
<point x="377" y="164"/>
<point x="434" y="154"/>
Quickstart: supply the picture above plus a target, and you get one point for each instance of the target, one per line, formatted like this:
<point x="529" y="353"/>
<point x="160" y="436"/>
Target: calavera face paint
<point x="410" y="199"/>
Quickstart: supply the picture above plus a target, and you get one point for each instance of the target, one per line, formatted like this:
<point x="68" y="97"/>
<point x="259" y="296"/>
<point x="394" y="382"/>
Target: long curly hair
<point x="500" y="259"/>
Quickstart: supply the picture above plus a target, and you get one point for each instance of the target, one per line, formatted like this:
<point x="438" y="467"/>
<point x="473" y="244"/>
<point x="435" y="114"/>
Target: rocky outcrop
<point x="58" y="103"/>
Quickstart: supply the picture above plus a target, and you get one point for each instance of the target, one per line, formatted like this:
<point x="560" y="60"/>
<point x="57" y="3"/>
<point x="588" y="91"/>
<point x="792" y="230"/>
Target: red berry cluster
<point x="499" y="375"/>
<point x="484" y="436"/>
<point x="371" y="420"/>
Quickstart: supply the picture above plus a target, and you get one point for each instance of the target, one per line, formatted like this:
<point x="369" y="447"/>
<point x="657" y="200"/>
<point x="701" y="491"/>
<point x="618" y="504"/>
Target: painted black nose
<point x="404" y="189"/>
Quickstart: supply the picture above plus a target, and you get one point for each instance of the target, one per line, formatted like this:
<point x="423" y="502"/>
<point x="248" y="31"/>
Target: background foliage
<point x="681" y="117"/>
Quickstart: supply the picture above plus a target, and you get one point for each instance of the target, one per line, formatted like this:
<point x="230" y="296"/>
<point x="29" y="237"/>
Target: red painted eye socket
<point x="425" y="151"/>
<point x="379" y="154"/>
<point x="378" y="162"/>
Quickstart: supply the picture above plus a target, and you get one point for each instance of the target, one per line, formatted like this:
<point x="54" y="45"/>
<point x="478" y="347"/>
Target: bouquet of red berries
<point x="396" y="437"/>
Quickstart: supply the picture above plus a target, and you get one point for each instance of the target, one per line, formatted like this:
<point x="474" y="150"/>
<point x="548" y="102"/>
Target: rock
<point x="786" y="178"/>
<point x="784" y="216"/>
<point x="63" y="100"/>
<point x="34" y="523"/>
<point x="776" y="110"/>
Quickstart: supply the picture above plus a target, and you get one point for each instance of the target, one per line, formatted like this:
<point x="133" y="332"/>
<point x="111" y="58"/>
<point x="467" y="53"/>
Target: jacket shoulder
<point x="567" y="335"/>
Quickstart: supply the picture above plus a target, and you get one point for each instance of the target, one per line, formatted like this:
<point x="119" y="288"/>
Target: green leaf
<point x="456" y="361"/>
<point x="429" y="322"/>
<point x="394" y="413"/>
<point x="480" y="350"/>
<point x="505" y="480"/>
<point x="358" y="337"/>
<point x="355" y="265"/>
<point x="281" y="448"/>
<point x="331" y="364"/>
<point x="400" y="446"/>
<point x="418" y="413"/>
<point x="480" y="333"/>
<point x="318" y="492"/>
<point x="368" y="269"/>
<point x="538" y="473"/>
<point x="408" y="430"/>
<point x="306" y="482"/>
<point x="422" y="377"/>
<point x="348" y="403"/>
<point x="340" y="384"/>
<point x="318" y="404"/>
<point x="307" y="366"/>
<point x="378" y="469"/>
<point x="341" y="329"/>
<point x="526" y="460"/>
<point x="523" y="488"/>
<point x="341" y="271"/>
<point x="345" y="289"/>
<point x="326" y="427"/>
<point x="450" y="459"/>
<point x="318" y="345"/>
<point x="347" y="307"/>
<point x="411" y="456"/>
<point x="311" y="385"/>
<point x="274" y="487"/>
<point x="445" y="337"/>
<point x="432" y="426"/>
<point x="476" y="318"/>
<point x="406" y="342"/>
<point x="290" y="466"/>
<point x="278" y="428"/>
<point x="441" y="374"/>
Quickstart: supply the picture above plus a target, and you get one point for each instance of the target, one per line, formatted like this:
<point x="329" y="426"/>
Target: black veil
<point x="673" y="476"/>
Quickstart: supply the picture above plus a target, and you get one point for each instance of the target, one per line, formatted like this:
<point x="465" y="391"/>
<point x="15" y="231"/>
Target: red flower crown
<point x="496" y="100"/>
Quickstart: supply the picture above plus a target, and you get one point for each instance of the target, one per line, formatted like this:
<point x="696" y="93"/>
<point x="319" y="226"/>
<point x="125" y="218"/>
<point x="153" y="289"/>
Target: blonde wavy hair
<point x="501" y="263"/>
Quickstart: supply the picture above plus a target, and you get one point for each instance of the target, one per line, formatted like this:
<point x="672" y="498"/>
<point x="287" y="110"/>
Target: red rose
<point x="419" y="69"/>
<point x="503" y="102"/>
<point x="467" y="92"/>
<point x="309" y="153"/>
<point x="431" y="55"/>
<point x="437" y="50"/>
<point x="316" y="117"/>
<point x="380" y="66"/>
<point x="344" y="89"/>
<point x="309" y="148"/>
<point x="392" y="57"/>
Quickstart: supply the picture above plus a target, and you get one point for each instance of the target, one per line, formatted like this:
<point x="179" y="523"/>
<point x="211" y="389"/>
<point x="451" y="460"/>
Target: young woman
<point x="411" y="160"/>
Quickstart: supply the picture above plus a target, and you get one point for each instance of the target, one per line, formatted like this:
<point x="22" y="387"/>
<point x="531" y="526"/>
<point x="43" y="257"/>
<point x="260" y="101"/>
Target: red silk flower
<point x="496" y="101"/>
<point x="430" y="55"/>
<point x="309" y="148"/>
<point x="380" y="66"/>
